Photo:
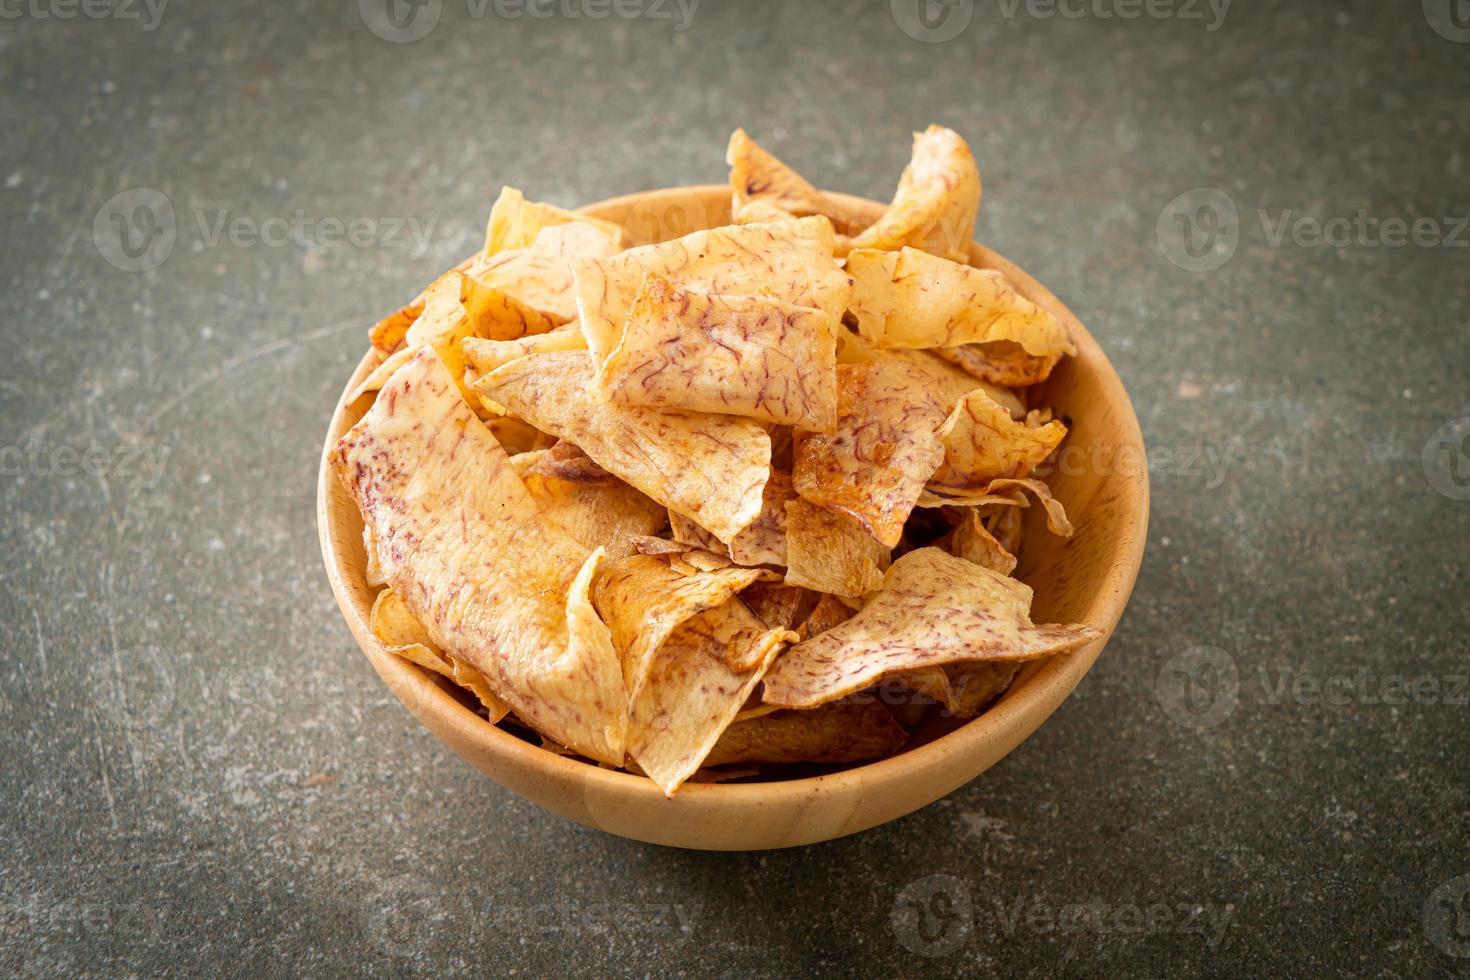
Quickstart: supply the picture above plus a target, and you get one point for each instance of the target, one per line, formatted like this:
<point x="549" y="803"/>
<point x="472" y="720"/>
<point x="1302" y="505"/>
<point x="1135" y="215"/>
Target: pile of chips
<point x="744" y="499"/>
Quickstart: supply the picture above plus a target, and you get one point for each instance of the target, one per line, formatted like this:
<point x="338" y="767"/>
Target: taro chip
<point x="484" y="356"/>
<point x="937" y="199"/>
<point x="830" y="552"/>
<point x="934" y="610"/>
<point x="780" y="606"/>
<point x="827" y="613"/>
<point x="565" y="461"/>
<point x="885" y="447"/>
<point x="388" y="332"/>
<point x="834" y="733"/>
<point x="982" y="443"/>
<point x="539" y="277"/>
<point x="971" y="541"/>
<point x="608" y="513"/>
<point x="401" y="634"/>
<point x="753" y="356"/>
<point x="464" y="545"/>
<point x="710" y="468"/>
<point x="643" y="601"/>
<point x="1056" y="514"/>
<point x="763" y="542"/>
<point x="912" y="299"/>
<point x="978" y="686"/>
<point x="790" y="261"/>
<point x="764" y="188"/>
<point x="380" y="374"/>
<point x="515" y="222"/>
<point x="698" y="680"/>
<point x="1003" y="362"/>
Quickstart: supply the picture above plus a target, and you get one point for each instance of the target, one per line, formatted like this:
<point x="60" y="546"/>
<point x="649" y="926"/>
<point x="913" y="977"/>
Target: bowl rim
<point x="1020" y="711"/>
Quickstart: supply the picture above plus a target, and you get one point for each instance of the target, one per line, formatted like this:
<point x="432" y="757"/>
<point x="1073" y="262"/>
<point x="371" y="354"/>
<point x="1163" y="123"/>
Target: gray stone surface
<point x="202" y="774"/>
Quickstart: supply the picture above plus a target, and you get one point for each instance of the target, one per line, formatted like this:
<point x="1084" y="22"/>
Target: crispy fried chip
<point x="937" y="199"/>
<point x="608" y="513"/>
<point x="401" y="634"/>
<point x="764" y="187"/>
<point x="709" y="468"/>
<point x="913" y="299"/>
<point x="515" y="222"/>
<point x="977" y="686"/>
<point x="461" y="541"/>
<point x="827" y="613"/>
<point x="1003" y="362"/>
<point x="697" y="682"/>
<point x="934" y="609"/>
<point x="381" y="373"/>
<point x="388" y="332"/>
<point x="780" y="606"/>
<point x="484" y="356"/>
<point x="763" y="542"/>
<point x="874" y="466"/>
<point x="539" y="277"/>
<point x="565" y="461"/>
<point x="830" y="552"/>
<point x="982" y="443"/>
<point x="790" y="261"/>
<point x="1056" y="514"/>
<point x="753" y="356"/>
<point x="833" y="733"/>
<point x="971" y="541"/>
<point x="643" y="601"/>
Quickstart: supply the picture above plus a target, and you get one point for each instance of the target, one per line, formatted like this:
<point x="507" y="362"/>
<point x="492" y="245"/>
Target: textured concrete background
<point x="201" y="772"/>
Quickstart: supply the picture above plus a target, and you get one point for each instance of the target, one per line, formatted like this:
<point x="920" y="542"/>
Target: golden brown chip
<point x="874" y="466"/>
<point x="515" y="435"/>
<point x="763" y="542"/>
<point x="401" y="634"/>
<point x="946" y="383"/>
<point x="565" y="461"/>
<point x="608" y="513"/>
<point x="833" y="733"/>
<point x="539" y="277"/>
<point x="830" y="552"/>
<point x="515" y="222"/>
<point x="764" y="187"/>
<point x="971" y="541"/>
<point x="753" y="356"/>
<point x="937" y="199"/>
<point x="827" y="613"/>
<point x="643" y="601"/>
<point x="388" y="332"/>
<point x="976" y="686"/>
<point x="464" y="545"/>
<point x="1056" y="514"/>
<point x="780" y="606"/>
<point x="710" y="468"/>
<point x="982" y="443"/>
<point x="381" y="373"/>
<point x="912" y="299"/>
<point x="1003" y="362"/>
<point x="790" y="261"/>
<point x="484" y="356"/>
<point x="934" y="609"/>
<point x="697" y="681"/>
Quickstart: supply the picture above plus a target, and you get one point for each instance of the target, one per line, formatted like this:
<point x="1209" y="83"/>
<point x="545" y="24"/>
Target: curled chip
<point x="1056" y="514"/>
<point x="710" y="468"/>
<point x="974" y="687"/>
<point x="982" y="443"/>
<point x="766" y="189"/>
<point x="612" y="514"/>
<point x="484" y="356"/>
<point x="833" y="733"/>
<point x="790" y="261"/>
<point x="515" y="222"/>
<point x="830" y="552"/>
<point x="885" y="447"/>
<point x="971" y="541"/>
<point x="539" y="276"/>
<point x="763" y="542"/>
<point x="913" y="299"/>
<point x="1001" y="362"/>
<point x="460" y="540"/>
<point x="934" y="609"/>
<point x="938" y="196"/>
<point x="753" y="356"/>
<point x="401" y="634"/>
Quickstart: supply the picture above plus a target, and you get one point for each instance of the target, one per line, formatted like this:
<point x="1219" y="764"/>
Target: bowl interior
<point x="1086" y="578"/>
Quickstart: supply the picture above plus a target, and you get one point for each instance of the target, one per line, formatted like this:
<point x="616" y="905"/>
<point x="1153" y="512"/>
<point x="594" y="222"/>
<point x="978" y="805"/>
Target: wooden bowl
<point x="1084" y="579"/>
